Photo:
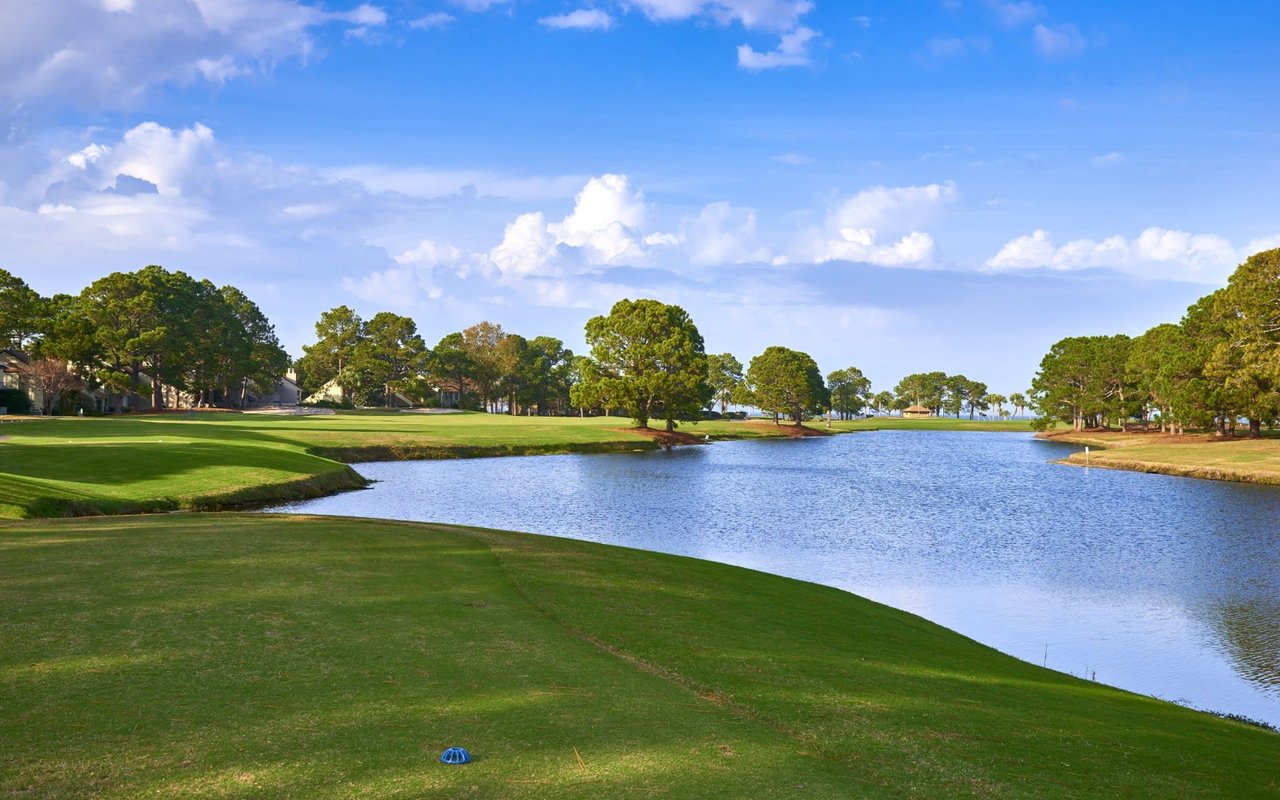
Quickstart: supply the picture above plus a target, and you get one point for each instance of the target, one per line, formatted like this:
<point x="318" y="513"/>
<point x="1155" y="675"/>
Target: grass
<point x="1193" y="456"/>
<point x="230" y="655"/>
<point x="67" y="466"/>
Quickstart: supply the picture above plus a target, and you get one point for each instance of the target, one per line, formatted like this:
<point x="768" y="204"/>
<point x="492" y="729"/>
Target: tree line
<point x="647" y="359"/>
<point x="1219" y="365"/>
<point x="150" y="334"/>
<point x="162" y="333"/>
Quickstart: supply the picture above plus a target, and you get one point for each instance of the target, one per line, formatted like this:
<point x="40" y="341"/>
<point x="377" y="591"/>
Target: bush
<point x="329" y="404"/>
<point x="15" y="400"/>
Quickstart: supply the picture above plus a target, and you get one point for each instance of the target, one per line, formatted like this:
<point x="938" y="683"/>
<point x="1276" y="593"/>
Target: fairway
<point x="239" y="655"/>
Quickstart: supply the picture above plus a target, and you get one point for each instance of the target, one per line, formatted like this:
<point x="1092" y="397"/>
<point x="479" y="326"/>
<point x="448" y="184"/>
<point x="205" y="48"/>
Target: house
<point x="916" y="412"/>
<point x="332" y="392"/>
<point x="12" y="377"/>
<point x="286" y="393"/>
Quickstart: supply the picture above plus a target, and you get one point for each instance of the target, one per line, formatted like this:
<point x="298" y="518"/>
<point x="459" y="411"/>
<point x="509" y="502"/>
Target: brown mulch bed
<point x="665" y="438"/>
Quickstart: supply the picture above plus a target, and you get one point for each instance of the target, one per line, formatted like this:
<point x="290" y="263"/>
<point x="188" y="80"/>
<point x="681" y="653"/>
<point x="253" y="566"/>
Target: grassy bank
<point x="62" y="466"/>
<point x="251" y="656"/>
<point x="68" y="466"/>
<point x="1193" y="456"/>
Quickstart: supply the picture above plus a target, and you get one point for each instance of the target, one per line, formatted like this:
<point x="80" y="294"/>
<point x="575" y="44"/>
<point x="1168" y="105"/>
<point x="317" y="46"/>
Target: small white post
<point x="1087" y="461"/>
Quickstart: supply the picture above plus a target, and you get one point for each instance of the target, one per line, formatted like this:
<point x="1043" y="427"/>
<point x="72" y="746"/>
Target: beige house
<point x="916" y="412"/>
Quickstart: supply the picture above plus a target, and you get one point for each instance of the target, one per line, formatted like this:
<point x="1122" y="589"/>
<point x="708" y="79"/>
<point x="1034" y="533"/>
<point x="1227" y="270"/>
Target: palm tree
<point x="997" y="402"/>
<point x="1019" y="401"/>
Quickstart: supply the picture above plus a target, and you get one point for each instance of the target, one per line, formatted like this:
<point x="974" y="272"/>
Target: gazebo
<point x="916" y="412"/>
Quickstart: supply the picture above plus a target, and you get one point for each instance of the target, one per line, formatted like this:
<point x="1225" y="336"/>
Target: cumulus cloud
<point x="1058" y="41"/>
<point x="1155" y="252"/>
<point x="583" y="19"/>
<point x="722" y="234"/>
<point x="88" y="53"/>
<point x="880" y="226"/>
<point x="792" y="51"/>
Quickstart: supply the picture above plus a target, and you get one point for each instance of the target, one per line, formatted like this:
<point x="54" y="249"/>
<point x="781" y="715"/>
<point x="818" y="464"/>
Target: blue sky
<point x="900" y="186"/>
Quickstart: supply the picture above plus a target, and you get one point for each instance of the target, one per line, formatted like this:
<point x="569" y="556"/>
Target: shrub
<point x="15" y="400"/>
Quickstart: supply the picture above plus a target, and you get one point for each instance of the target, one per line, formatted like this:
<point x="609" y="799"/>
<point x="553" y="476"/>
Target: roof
<point x="918" y="409"/>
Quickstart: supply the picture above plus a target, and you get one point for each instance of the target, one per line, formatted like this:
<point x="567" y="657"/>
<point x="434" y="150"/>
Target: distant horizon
<point x="945" y="185"/>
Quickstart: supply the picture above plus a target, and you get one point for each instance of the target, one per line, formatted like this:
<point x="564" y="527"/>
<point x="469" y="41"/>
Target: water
<point x="1161" y="585"/>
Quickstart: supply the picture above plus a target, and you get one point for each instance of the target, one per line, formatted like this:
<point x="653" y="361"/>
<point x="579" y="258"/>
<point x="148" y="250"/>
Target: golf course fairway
<point x="239" y="655"/>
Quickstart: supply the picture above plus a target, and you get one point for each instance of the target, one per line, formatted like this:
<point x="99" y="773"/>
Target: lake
<point x="1161" y="585"/>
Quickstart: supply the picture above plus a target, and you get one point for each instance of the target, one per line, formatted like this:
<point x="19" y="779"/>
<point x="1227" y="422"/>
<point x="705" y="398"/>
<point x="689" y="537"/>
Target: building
<point x="916" y="412"/>
<point x="286" y="393"/>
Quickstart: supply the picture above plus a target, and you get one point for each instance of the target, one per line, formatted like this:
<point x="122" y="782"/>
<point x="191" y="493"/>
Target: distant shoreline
<point x="1203" y="456"/>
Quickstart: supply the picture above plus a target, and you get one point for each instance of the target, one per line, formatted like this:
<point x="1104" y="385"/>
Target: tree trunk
<point x="671" y="425"/>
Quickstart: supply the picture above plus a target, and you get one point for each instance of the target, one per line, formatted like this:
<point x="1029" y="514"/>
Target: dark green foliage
<point x="850" y="392"/>
<point x="648" y="358"/>
<point x="785" y="381"/>
<point x="1221" y="363"/>
<point x="15" y="400"/>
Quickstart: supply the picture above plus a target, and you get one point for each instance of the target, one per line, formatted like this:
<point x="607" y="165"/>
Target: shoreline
<point x="1201" y="456"/>
<point x="149" y="458"/>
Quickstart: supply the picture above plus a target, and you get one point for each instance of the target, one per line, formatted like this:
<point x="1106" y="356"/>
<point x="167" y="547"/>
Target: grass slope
<point x="1193" y="456"/>
<point x="252" y="656"/>
<point x="67" y="466"/>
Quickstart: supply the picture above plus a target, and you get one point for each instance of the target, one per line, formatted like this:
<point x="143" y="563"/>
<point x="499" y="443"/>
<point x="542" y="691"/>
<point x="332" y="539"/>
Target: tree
<point x="480" y="342"/>
<point x="724" y="376"/>
<point x="1082" y="381"/>
<point x="649" y="358"/>
<point x="51" y="378"/>
<point x="997" y="401"/>
<point x="925" y="389"/>
<point x="1019" y="401"/>
<point x="849" y="390"/>
<point x="392" y="352"/>
<point x="450" y="366"/>
<point x="21" y="311"/>
<point x="338" y="335"/>
<point x="785" y="381"/>
<point x="1247" y="360"/>
<point x="883" y="402"/>
<point x="976" y="398"/>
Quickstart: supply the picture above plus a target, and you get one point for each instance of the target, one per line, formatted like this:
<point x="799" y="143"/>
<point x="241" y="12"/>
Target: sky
<point x="899" y="185"/>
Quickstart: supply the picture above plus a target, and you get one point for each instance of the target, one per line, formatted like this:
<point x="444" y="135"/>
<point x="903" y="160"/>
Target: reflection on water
<point x="1167" y="586"/>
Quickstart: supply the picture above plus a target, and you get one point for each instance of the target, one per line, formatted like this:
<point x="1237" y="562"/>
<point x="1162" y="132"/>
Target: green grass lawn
<point x="231" y="655"/>
<point x="76" y="466"/>
<point x="1193" y="456"/>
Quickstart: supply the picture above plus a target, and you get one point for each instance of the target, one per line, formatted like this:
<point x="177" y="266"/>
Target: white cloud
<point x="397" y="287"/>
<point x="794" y="159"/>
<point x="107" y="54"/>
<point x="87" y="156"/>
<point x="1015" y="13"/>
<point x="880" y="226"/>
<point x="364" y="15"/>
<point x="583" y="19"/>
<point x="1108" y="159"/>
<point x="430" y="183"/>
<point x="606" y="217"/>
<point x="436" y="19"/>
<point x="1060" y="41"/>
<point x="1155" y="252"/>
<point x="792" y="51"/>
<point x="775" y="15"/>
<point x="527" y="248"/>
<point x="722" y="234"/>
<point x="430" y="254"/>
<point x="1259" y="245"/>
